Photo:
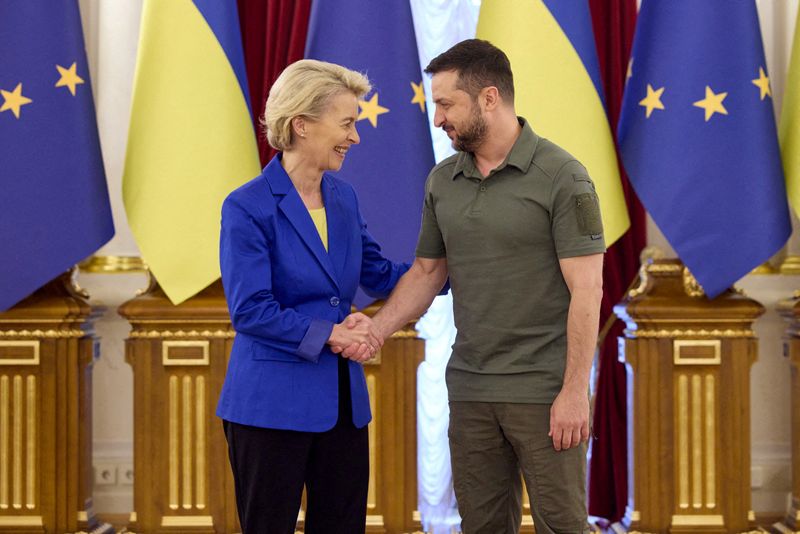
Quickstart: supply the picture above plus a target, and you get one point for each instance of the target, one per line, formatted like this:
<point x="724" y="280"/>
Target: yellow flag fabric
<point x="191" y="139"/>
<point x="555" y="92"/>
<point x="790" y="125"/>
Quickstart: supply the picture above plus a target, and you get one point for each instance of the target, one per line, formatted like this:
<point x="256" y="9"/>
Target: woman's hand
<point x="356" y="338"/>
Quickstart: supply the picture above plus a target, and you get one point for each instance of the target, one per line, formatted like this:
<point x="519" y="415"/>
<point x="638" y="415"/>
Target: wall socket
<point x="125" y="474"/>
<point x="105" y="474"/>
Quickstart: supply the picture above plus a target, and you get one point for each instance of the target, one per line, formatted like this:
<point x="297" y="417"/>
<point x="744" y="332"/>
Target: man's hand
<point x="569" y="419"/>
<point x="356" y="338"/>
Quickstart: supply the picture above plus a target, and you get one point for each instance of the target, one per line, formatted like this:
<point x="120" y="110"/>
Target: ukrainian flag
<point x="557" y="79"/>
<point x="790" y="125"/>
<point x="191" y="138"/>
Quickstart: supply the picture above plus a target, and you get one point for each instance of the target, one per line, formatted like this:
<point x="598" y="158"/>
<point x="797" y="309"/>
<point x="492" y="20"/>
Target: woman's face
<point x="328" y="139"/>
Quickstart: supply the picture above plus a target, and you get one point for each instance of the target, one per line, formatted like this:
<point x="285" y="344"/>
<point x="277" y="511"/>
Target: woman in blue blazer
<point x="293" y="250"/>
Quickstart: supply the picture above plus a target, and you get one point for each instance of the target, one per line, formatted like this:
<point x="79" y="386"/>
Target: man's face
<point x="457" y="113"/>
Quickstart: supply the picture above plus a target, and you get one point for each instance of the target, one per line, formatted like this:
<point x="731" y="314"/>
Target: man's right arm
<point x="413" y="294"/>
<point x="411" y="297"/>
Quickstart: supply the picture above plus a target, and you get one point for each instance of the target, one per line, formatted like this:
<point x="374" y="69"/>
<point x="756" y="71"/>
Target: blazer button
<point x="335" y="301"/>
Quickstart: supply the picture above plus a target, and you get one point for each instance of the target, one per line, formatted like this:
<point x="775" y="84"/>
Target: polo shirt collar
<point x="520" y="156"/>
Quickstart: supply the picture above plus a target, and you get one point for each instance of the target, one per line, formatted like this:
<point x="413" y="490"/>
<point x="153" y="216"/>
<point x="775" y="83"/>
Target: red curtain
<point x="273" y="35"/>
<point x="614" y="22"/>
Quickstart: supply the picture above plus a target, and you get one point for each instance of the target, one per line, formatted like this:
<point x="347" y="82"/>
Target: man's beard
<point x="474" y="133"/>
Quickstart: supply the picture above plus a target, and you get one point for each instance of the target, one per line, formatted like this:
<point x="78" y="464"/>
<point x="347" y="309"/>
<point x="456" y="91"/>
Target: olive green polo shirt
<point x="503" y="236"/>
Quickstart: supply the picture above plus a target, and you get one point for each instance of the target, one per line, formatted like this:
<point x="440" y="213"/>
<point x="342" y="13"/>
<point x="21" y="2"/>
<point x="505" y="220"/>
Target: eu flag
<point x="388" y="169"/>
<point x="698" y="139"/>
<point x="54" y="206"/>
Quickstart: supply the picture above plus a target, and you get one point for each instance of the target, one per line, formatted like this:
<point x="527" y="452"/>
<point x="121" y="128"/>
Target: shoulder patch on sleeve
<point x="587" y="209"/>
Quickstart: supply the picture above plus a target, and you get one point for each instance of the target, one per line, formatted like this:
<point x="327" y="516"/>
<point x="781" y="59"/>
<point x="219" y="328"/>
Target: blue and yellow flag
<point x="388" y="169"/>
<point x="54" y="205"/>
<point x="558" y="89"/>
<point x="697" y="136"/>
<point x="191" y="138"/>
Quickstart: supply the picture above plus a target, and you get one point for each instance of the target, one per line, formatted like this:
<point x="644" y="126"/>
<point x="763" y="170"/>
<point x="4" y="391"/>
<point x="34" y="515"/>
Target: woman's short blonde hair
<point x="304" y="88"/>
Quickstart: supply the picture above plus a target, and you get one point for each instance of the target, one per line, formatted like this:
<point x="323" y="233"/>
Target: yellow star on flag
<point x="69" y="78"/>
<point x="419" y="95"/>
<point x="762" y="82"/>
<point x="370" y="110"/>
<point x="652" y="100"/>
<point x="712" y="103"/>
<point x="14" y="100"/>
<point x="629" y="72"/>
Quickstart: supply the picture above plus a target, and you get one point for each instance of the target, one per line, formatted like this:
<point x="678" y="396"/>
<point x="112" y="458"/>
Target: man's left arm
<point x="569" y="414"/>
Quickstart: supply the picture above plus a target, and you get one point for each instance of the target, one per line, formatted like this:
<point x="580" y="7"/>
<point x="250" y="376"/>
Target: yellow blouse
<point x="321" y="222"/>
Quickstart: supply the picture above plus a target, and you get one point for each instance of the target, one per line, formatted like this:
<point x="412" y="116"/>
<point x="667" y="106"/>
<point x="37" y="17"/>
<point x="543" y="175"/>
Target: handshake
<point x="357" y="338"/>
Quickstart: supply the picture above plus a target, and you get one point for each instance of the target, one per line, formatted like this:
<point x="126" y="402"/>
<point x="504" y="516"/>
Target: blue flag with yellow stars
<point x="698" y="138"/>
<point x="389" y="167"/>
<point x="54" y="205"/>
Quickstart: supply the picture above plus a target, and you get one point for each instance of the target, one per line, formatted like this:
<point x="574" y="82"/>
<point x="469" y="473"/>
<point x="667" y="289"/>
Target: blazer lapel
<point x="338" y="221"/>
<point x="292" y="206"/>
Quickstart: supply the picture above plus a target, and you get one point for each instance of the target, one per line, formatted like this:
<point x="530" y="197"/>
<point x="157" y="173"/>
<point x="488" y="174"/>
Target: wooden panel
<point x="46" y="351"/>
<point x="179" y="358"/>
<point x="690" y="360"/>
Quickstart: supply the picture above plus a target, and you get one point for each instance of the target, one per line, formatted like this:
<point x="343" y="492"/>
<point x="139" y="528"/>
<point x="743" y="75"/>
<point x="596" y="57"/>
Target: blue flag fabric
<point x="54" y="206"/>
<point x="388" y="169"/>
<point x="698" y="138"/>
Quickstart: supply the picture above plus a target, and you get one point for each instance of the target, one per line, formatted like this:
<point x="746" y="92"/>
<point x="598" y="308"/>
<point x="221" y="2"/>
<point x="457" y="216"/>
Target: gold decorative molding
<point x="113" y="265"/>
<point x="5" y="432"/>
<point x="189" y="521"/>
<point x="30" y="443"/>
<point x="33" y="345"/>
<point x="372" y="485"/>
<point x="374" y="520"/>
<point x="186" y="442"/>
<point x="16" y="445"/>
<point x="790" y="265"/>
<point x="664" y="333"/>
<point x="21" y="521"/>
<point x="200" y="442"/>
<point x="173" y="442"/>
<point x="170" y="359"/>
<point x="697" y="351"/>
<point x="644" y="281"/>
<point x="691" y="286"/>
<point x="74" y="332"/>
<point x="710" y="436"/>
<point x="764" y="268"/>
<point x="406" y="333"/>
<point x="686" y="520"/>
<point x="152" y="334"/>
<point x="664" y="268"/>
<point x="683" y="441"/>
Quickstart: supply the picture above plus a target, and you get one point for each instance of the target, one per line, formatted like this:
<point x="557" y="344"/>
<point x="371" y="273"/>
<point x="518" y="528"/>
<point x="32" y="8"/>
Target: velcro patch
<point x="587" y="209"/>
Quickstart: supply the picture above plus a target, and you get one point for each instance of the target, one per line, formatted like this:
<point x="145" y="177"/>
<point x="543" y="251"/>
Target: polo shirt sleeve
<point x="430" y="243"/>
<point x="575" y="213"/>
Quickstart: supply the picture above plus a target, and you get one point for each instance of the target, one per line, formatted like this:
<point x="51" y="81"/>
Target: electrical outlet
<point x="105" y="474"/>
<point x="756" y="476"/>
<point x="125" y="472"/>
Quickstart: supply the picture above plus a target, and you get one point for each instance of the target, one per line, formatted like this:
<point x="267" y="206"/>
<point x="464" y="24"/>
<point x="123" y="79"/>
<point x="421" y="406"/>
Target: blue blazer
<point x="284" y="293"/>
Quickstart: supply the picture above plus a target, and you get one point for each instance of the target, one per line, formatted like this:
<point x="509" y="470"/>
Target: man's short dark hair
<point x="479" y="64"/>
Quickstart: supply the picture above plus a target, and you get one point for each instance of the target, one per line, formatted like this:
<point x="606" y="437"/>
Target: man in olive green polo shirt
<point x="514" y="221"/>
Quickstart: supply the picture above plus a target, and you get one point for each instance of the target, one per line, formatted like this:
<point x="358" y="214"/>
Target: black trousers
<point x="270" y="468"/>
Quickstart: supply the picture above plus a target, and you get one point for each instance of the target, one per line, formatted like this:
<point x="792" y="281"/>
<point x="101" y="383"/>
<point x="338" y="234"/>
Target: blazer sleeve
<point x="247" y="278"/>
